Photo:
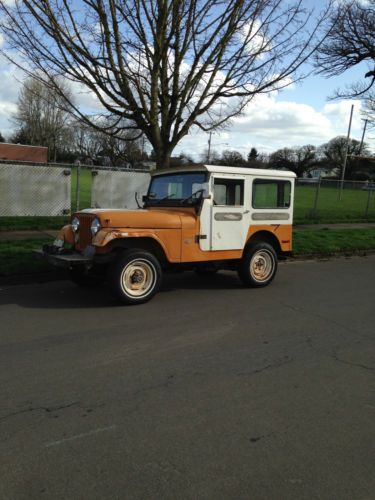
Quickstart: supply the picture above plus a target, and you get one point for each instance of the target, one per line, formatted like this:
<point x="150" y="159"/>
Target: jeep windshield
<point x="176" y="189"/>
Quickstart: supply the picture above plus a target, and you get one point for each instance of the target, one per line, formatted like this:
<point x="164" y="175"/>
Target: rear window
<point x="271" y="193"/>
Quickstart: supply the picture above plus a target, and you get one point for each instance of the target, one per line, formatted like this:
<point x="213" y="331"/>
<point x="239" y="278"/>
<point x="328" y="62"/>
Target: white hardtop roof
<point x="217" y="169"/>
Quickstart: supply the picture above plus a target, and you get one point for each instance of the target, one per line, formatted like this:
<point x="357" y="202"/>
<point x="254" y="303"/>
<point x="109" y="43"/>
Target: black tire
<point x="135" y="276"/>
<point x="258" y="265"/>
<point x="86" y="278"/>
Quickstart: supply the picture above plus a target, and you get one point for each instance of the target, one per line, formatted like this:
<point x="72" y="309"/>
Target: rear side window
<point x="271" y="193"/>
<point x="228" y="192"/>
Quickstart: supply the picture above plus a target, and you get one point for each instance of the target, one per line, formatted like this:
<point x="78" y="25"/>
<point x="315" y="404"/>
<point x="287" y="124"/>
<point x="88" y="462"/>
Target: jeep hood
<point x="140" y="219"/>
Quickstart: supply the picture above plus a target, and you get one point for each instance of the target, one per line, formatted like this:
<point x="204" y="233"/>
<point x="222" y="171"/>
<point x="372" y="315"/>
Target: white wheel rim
<point x="262" y="265"/>
<point x="138" y="278"/>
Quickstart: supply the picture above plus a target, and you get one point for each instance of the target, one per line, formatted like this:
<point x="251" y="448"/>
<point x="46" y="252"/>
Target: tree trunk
<point x="163" y="159"/>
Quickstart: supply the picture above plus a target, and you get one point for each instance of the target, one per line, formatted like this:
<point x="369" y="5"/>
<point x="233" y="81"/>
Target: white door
<point x="229" y="215"/>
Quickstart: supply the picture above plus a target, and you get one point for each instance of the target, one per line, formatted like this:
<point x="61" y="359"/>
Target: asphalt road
<point x="208" y="391"/>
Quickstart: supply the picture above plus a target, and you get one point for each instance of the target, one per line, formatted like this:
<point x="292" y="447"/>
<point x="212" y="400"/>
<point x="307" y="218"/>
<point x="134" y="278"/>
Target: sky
<point x="303" y="113"/>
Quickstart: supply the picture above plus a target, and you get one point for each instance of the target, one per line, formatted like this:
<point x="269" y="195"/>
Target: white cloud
<point x="269" y="124"/>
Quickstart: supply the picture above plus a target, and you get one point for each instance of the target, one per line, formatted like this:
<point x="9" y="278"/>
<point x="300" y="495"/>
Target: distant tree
<point x="298" y="160"/>
<point x="19" y="136"/>
<point x="232" y="158"/>
<point x="41" y="116"/>
<point x="2" y="137"/>
<point x="282" y="159"/>
<point x="122" y="150"/>
<point x="253" y="155"/>
<point x="215" y="157"/>
<point x="181" y="160"/>
<point x="333" y="153"/>
<point x="87" y="142"/>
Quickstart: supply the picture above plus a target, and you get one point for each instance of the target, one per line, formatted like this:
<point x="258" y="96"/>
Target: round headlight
<point x="95" y="226"/>
<point x="75" y="224"/>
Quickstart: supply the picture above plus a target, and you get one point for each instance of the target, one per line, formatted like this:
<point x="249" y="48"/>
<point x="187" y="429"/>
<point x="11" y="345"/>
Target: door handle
<point x="246" y="212"/>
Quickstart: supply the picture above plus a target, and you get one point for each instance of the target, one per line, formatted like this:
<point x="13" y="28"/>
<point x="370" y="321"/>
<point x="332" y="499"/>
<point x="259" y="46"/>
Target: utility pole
<point x="363" y="136"/>
<point x="209" y="148"/>
<point x="346" y="154"/>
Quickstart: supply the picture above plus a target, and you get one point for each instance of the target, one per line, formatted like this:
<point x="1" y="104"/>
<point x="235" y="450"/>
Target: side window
<point x="271" y="193"/>
<point x="228" y="192"/>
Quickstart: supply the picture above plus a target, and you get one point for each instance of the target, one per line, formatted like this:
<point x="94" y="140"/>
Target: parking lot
<point x="208" y="391"/>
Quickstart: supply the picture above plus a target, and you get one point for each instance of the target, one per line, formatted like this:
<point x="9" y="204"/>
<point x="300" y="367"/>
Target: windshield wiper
<point x="193" y="196"/>
<point x="165" y="198"/>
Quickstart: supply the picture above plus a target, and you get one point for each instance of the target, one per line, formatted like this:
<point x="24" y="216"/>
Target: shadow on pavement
<point x="65" y="295"/>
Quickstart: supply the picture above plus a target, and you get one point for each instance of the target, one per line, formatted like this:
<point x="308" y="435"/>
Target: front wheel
<point x="258" y="265"/>
<point x="135" y="277"/>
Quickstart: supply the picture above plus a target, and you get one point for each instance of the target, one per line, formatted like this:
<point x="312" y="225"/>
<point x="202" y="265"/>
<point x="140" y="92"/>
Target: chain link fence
<point x="58" y="190"/>
<point x="53" y="190"/>
<point x="330" y="200"/>
<point x="34" y="190"/>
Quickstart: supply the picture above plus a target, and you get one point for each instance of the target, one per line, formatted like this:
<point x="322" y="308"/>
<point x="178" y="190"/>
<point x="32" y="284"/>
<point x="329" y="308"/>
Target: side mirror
<point x="206" y="191"/>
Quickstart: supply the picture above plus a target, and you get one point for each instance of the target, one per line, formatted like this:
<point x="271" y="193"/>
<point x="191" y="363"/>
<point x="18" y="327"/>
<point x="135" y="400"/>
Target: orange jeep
<point x="203" y="218"/>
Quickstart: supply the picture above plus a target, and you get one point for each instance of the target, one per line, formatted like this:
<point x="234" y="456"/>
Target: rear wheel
<point x="258" y="265"/>
<point x="135" y="277"/>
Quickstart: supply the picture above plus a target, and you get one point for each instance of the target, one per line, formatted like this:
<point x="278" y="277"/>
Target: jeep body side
<point x="203" y="218"/>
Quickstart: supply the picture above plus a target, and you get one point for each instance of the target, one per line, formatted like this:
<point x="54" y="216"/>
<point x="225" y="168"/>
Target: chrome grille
<point x="84" y="233"/>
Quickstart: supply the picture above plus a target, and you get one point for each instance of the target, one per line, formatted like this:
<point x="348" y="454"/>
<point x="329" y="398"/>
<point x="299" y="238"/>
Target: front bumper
<point x="64" y="260"/>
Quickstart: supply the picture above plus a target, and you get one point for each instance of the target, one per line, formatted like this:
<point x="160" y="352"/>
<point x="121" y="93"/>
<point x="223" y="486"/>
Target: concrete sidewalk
<point x="51" y="233"/>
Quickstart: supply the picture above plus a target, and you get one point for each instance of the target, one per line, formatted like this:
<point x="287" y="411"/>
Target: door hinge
<point x="199" y="237"/>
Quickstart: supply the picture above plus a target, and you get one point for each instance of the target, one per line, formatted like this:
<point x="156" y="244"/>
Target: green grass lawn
<point x="351" y="208"/>
<point x="85" y="189"/>
<point x="16" y="257"/>
<point x="330" y="241"/>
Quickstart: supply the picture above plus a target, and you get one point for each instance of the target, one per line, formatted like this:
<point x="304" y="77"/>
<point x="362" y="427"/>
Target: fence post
<point x="78" y="187"/>
<point x="317" y="191"/>
<point x="368" y="201"/>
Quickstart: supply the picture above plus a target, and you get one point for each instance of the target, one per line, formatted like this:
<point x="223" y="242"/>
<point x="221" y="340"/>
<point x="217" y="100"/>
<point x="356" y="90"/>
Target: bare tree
<point x="333" y="154"/>
<point x="41" y="115"/>
<point x="87" y="141"/>
<point x="350" y="42"/>
<point x="298" y="160"/>
<point x="164" y="65"/>
<point x="232" y="158"/>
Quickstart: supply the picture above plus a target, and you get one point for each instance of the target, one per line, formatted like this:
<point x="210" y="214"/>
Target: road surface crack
<point x="312" y="314"/>
<point x="285" y="361"/>
<point x="351" y="363"/>
<point x="47" y="409"/>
